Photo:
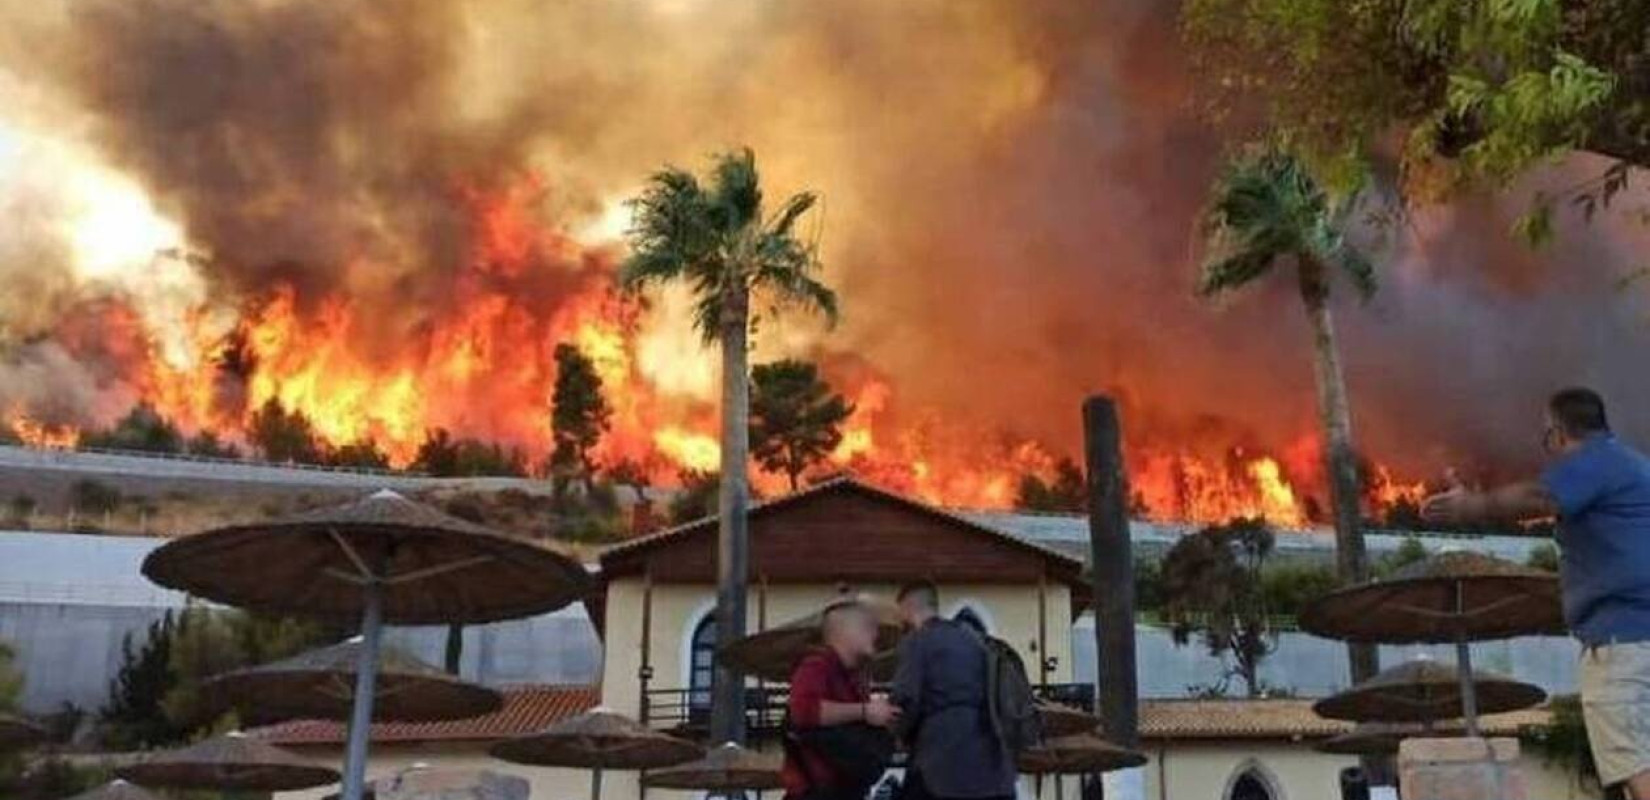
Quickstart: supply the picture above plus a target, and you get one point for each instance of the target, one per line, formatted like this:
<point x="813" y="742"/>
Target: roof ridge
<point x="836" y="482"/>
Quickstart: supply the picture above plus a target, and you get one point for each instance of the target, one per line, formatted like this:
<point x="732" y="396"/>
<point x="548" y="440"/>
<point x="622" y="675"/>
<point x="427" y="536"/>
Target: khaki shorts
<point x="1615" y="700"/>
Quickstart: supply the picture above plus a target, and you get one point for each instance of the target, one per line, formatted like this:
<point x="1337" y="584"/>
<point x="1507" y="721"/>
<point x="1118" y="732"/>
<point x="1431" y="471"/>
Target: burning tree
<point x="720" y="240"/>
<point x="796" y="420"/>
<point x="1067" y="491"/>
<point x="579" y="415"/>
<point x="1213" y="586"/>
<point x="1268" y="210"/>
<point x="282" y="435"/>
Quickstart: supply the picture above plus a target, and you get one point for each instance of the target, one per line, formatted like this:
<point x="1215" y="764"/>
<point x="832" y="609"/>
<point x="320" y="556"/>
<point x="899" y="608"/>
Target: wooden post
<point x="1042" y="629"/>
<point x="1111" y="572"/>
<point x="761" y="602"/>
<point x="645" y="672"/>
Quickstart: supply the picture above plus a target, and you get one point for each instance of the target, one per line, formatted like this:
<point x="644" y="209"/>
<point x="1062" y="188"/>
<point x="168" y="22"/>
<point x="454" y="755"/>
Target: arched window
<point x="701" y="668"/>
<point x="1253" y="784"/>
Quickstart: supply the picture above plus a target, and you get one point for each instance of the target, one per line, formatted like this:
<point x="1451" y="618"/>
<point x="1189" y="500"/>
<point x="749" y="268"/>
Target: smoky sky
<point x="1010" y="195"/>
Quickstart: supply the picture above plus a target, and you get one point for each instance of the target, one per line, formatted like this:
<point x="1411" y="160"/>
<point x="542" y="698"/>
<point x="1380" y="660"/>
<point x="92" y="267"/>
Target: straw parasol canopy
<point x="1063" y="720"/>
<point x="430" y="568"/>
<point x="1456" y="597"/>
<point x="1081" y="754"/>
<point x="597" y="740"/>
<point x="773" y="653"/>
<point x="320" y="684"/>
<point x="1424" y="690"/>
<point x="233" y="762"/>
<point x="1448" y="597"/>
<point x="385" y="558"/>
<point x="729" y="768"/>
<point x="1380" y="738"/>
<point x="17" y="733"/>
<point x="117" y="789"/>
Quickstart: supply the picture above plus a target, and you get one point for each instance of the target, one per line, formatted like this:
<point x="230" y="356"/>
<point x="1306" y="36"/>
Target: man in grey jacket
<point x="941" y="689"/>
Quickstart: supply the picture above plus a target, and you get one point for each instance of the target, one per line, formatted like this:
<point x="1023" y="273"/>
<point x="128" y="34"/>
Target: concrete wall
<point x="1308" y="666"/>
<point x="1292" y="770"/>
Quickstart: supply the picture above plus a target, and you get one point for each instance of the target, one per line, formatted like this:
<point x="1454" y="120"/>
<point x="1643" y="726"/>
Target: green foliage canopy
<point x="796" y="419"/>
<point x="1212" y="587"/>
<point x="1476" y="91"/>
<point x="722" y="242"/>
<point x="579" y="416"/>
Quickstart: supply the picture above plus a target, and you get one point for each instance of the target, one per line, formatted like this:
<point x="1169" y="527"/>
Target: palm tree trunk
<point x="1340" y="459"/>
<point x="727" y="716"/>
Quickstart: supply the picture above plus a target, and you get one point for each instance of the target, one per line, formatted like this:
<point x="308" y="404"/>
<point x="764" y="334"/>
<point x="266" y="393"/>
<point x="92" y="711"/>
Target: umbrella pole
<point x="1463" y="666"/>
<point x="596" y="784"/>
<point x="366" y="678"/>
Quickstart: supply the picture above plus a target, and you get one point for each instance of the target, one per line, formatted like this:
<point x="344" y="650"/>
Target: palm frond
<point x="737" y="190"/>
<point x="670" y="229"/>
<point x="1233" y="271"/>
<point x="1357" y="268"/>
<point x="794" y="207"/>
<point x="1266" y="206"/>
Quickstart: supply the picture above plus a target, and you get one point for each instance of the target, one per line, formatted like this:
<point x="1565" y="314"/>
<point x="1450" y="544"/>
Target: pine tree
<point x="133" y="718"/>
<point x="796" y="420"/>
<point x="578" y="418"/>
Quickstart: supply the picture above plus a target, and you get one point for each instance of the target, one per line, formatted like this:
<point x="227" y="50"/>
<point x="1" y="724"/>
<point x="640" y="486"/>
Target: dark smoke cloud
<point x="1011" y="190"/>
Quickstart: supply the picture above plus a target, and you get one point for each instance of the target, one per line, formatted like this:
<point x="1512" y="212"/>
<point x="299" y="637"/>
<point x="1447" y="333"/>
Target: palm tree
<point x="719" y="239"/>
<point x="1267" y="211"/>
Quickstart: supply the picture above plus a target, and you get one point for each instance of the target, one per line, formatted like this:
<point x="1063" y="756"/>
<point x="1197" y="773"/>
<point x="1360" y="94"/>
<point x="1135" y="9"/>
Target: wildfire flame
<point x="479" y="363"/>
<point x="41" y="435"/>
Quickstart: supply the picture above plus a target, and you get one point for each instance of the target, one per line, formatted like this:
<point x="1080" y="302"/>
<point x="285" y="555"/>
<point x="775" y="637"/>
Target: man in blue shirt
<point x="1599" y="488"/>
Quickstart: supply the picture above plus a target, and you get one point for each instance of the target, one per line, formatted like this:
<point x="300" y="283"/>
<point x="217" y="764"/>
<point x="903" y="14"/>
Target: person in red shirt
<point x="828" y="688"/>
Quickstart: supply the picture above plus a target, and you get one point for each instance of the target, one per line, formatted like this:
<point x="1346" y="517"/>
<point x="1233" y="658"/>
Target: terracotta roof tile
<point x="526" y="709"/>
<point x="1168" y="720"/>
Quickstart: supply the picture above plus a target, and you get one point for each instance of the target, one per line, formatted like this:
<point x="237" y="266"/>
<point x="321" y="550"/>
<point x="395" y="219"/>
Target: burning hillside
<point x="479" y="363"/>
<point x="386" y="217"/>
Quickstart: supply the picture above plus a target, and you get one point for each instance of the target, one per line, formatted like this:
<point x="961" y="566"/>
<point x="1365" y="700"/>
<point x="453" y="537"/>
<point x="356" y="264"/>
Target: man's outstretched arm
<point x="1517" y="502"/>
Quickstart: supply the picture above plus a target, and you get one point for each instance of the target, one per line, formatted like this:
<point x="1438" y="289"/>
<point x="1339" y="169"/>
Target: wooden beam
<point x="1111" y="570"/>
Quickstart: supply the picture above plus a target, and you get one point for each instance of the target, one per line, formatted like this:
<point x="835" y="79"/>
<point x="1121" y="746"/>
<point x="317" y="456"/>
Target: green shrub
<point x="89" y="496"/>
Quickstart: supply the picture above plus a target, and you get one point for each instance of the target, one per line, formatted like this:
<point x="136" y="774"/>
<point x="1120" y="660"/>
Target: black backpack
<point x="859" y="754"/>
<point x="1009" y="698"/>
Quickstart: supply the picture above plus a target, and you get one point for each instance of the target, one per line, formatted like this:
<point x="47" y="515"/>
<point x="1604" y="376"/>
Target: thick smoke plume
<point x="1010" y="192"/>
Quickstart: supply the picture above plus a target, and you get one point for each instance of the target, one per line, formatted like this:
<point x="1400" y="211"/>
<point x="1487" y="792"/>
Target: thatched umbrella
<point x="1453" y="597"/>
<point x="1378" y="738"/>
<point x="1079" y="754"/>
<point x="117" y="789"/>
<point x="729" y="768"/>
<point x="773" y="653"/>
<point x="1424" y="690"/>
<point x="384" y="559"/>
<point x="17" y="733"/>
<point x="319" y="684"/>
<point x="233" y="762"/>
<point x="597" y="740"/>
<point x="1063" y="720"/>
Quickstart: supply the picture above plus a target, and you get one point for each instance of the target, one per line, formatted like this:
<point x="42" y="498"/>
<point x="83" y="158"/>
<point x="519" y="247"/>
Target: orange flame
<point x="42" y="435"/>
<point x="478" y="361"/>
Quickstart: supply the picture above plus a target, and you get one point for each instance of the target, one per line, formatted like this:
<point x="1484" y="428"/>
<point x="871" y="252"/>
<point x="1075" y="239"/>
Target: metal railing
<point x="686" y="712"/>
